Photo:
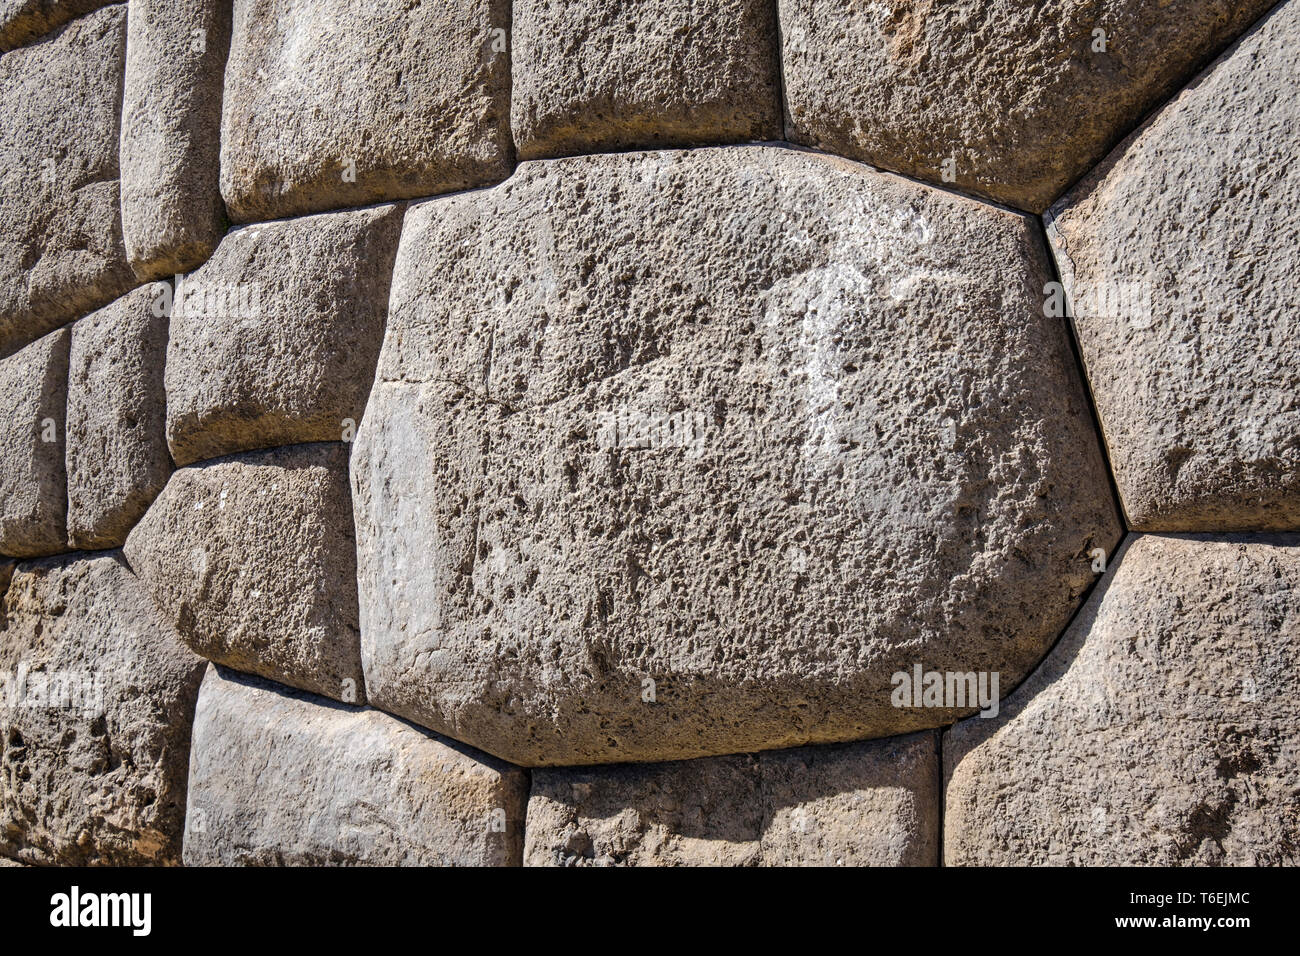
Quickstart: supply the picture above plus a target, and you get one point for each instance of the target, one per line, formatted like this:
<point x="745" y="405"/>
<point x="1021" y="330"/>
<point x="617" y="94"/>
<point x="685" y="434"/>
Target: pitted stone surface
<point x="61" y="252"/>
<point x="33" y="481"/>
<point x="609" y="74"/>
<point x="24" y="21"/>
<point x="869" y="804"/>
<point x="757" y="426"/>
<point x="1161" y="729"/>
<point x="1184" y="295"/>
<point x="334" y="103"/>
<point x="95" y="722"/>
<point x="276" y="336"/>
<point x="282" y="778"/>
<point x="116" y="454"/>
<point x="253" y="559"/>
<point x="1023" y="97"/>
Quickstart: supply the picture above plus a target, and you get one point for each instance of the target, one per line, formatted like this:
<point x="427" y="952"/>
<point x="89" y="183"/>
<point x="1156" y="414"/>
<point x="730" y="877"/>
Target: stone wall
<point x="649" y="432"/>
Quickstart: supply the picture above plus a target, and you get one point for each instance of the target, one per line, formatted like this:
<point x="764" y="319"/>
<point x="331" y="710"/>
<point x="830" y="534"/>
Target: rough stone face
<point x="871" y="804"/>
<point x="116" y="456"/>
<point x="172" y="214"/>
<point x="22" y="21"/>
<point x="761" y="427"/>
<point x="1022" y="96"/>
<point x="609" y="74"/>
<point x="1160" y="730"/>
<point x="1184" y="296"/>
<point x="281" y="778"/>
<point x="33" y="483"/>
<point x="276" y="337"/>
<point x="253" y="560"/>
<point x="334" y="103"/>
<point x="95" y="724"/>
<point x="61" y="252"/>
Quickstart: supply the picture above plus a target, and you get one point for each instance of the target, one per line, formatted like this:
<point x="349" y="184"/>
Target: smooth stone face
<point x="1161" y="729"/>
<point x="116" y="456"/>
<point x="869" y="804"/>
<point x="286" y="779"/>
<point x="95" y="721"/>
<point x="33" y="482"/>
<point x="1179" y="256"/>
<point x="609" y="74"/>
<point x="23" y="21"/>
<point x="276" y="337"/>
<point x="253" y="559"/>
<point x="336" y="103"/>
<point x="172" y="214"/>
<point x="1023" y="97"/>
<point x="760" y="427"/>
<point x="61" y="252"/>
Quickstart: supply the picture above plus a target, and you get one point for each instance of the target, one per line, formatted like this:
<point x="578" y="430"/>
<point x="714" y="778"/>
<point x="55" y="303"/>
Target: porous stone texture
<point x="1023" y="97"/>
<point x="283" y="778"/>
<point x="33" y="483"/>
<point x="275" y="339"/>
<point x="1184" y="295"/>
<point x="172" y="214"/>
<point x="116" y="454"/>
<point x="253" y="559"/>
<point x="1161" y="729"/>
<point x="61" y="251"/>
<point x="95" y="724"/>
<point x="612" y="74"/>
<point x="332" y="103"/>
<point x="757" y="426"/>
<point x="22" y="21"/>
<point x="870" y="804"/>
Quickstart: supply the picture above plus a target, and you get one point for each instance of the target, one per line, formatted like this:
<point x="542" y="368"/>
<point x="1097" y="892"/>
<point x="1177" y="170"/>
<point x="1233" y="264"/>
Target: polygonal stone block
<point x="22" y="21"/>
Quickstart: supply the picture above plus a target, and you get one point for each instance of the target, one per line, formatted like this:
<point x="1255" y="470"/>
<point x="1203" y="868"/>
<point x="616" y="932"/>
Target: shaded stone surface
<point x="765" y="448"/>
<point x="282" y="778"/>
<point x="343" y="103"/>
<point x="95" y="722"/>
<point x="253" y="559"/>
<point x="116" y="453"/>
<point x="1174" y="253"/>
<point x="1161" y="729"/>
<point x="23" y="21"/>
<point x="276" y="337"/>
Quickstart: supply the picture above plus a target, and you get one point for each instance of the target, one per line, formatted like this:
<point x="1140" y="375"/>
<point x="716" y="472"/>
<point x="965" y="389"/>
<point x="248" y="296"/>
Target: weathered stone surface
<point x="253" y="559"/>
<point x="1160" y="730"/>
<point x="333" y="103"/>
<point x="95" y="724"/>
<point x="880" y="455"/>
<point x="276" y="336"/>
<point x="1021" y="96"/>
<point x="33" y="483"/>
<point x="1177" y="254"/>
<point x="61" y="252"/>
<point x="870" y="804"/>
<point x="116" y="455"/>
<point x="281" y="778"/>
<point x="609" y="74"/>
<point x="172" y="214"/>
<point x="22" y="21"/>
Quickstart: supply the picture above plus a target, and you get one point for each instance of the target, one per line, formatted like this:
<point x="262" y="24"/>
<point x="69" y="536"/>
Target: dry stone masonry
<point x="649" y="433"/>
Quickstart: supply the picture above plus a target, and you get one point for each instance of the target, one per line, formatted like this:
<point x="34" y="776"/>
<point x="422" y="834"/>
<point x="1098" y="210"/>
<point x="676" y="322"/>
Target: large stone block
<point x="869" y="804"/>
<point x="116" y="454"/>
<point x="609" y="74"/>
<point x="1177" y="255"/>
<point x="22" y="21"/>
<point x="172" y="213"/>
<point x="253" y="559"/>
<point x="722" y="441"/>
<point x="275" y="338"/>
<point x="1160" y="730"/>
<point x="33" y="481"/>
<point x="1020" y="98"/>
<point x="95" y="724"/>
<point x="61" y="252"/>
<point x="333" y="103"/>
<point x="280" y="778"/>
